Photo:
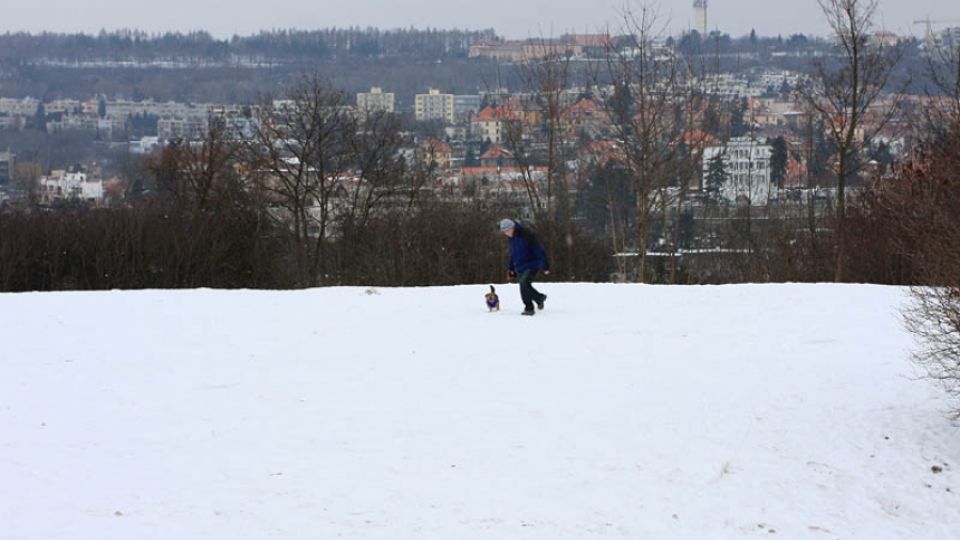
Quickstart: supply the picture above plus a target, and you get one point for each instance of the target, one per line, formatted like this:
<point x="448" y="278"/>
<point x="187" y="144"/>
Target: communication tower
<point x="700" y="9"/>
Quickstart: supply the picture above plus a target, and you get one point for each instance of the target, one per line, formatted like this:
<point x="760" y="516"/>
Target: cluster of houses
<point x="480" y="131"/>
<point x="106" y="117"/>
<point x="473" y="134"/>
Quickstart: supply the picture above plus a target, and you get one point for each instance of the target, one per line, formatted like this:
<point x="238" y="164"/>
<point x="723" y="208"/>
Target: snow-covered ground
<point x="787" y="411"/>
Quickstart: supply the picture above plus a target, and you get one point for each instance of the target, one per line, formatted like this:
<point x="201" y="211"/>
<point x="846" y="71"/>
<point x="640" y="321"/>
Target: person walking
<point x="527" y="257"/>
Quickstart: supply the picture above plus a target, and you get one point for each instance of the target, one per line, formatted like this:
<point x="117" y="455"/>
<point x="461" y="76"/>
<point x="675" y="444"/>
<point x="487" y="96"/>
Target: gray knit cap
<point x="506" y="225"/>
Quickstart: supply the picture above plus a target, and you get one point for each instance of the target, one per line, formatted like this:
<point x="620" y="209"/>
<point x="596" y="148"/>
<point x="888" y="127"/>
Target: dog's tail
<point x="492" y="290"/>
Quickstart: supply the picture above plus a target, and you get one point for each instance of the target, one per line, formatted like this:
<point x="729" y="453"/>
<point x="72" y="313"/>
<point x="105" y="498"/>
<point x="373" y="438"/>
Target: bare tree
<point x="845" y="95"/>
<point x="518" y="139"/>
<point x="943" y="71"/>
<point x="27" y="178"/>
<point x="373" y="149"/>
<point x="200" y="174"/>
<point x="653" y="99"/>
<point x="923" y="206"/>
<point x="543" y="136"/>
<point x="298" y="151"/>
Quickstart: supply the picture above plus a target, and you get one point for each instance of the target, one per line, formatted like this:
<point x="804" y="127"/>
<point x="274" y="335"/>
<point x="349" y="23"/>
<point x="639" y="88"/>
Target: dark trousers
<point x="528" y="294"/>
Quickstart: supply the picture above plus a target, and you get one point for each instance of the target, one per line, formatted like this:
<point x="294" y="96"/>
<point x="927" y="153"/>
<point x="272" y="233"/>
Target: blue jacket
<point x="526" y="252"/>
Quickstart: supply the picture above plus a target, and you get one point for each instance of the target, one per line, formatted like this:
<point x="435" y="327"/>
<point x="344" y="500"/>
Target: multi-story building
<point x="13" y="123"/>
<point x="62" y="186"/>
<point x="746" y="164"/>
<point x="437" y="153"/>
<point x="434" y="106"/>
<point x="465" y="105"/>
<point x="192" y="128"/>
<point x="19" y="107"/>
<point x="949" y="39"/>
<point x="63" y="106"/>
<point x="8" y="167"/>
<point x="489" y="124"/>
<point x="376" y="100"/>
<point x="523" y="51"/>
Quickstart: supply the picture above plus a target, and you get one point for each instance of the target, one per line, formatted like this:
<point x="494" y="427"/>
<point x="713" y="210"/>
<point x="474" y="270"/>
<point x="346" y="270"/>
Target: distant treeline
<point x="293" y="45"/>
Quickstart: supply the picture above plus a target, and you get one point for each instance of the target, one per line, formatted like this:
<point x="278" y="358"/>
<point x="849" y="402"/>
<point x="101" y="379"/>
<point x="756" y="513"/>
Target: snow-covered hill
<point x="623" y="411"/>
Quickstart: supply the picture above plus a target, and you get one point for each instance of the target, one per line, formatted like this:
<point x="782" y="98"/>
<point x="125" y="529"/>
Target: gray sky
<point x="512" y="18"/>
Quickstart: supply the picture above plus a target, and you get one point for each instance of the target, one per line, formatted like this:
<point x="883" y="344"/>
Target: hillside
<point x="783" y="411"/>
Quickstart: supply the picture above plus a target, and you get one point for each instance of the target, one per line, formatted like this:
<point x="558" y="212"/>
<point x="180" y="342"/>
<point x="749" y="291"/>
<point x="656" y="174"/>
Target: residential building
<point x="506" y="51"/>
<point x="434" y="106"/>
<point x="8" y="167"/>
<point x="63" y="106"/>
<point x="886" y="39"/>
<point x="465" y="106"/>
<point x="594" y="43"/>
<point x="949" y="39"/>
<point x="376" y="100"/>
<point x="62" y="186"/>
<point x="497" y="157"/>
<point x="586" y="116"/>
<point x="488" y="124"/>
<point x="19" y="107"/>
<point x="144" y="145"/>
<point x="436" y="153"/>
<point x="13" y="123"/>
<point x="191" y="129"/>
<point x="456" y="133"/>
<point x="746" y="163"/>
<point x="522" y="51"/>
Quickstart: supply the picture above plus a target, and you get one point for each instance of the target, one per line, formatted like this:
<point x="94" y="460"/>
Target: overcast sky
<point x="512" y="18"/>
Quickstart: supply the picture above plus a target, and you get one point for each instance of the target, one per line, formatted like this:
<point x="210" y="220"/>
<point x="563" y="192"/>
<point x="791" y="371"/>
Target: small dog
<point x="493" y="301"/>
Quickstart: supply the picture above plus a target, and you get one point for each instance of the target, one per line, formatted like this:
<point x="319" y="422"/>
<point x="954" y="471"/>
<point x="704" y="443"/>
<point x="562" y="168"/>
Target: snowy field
<point x="621" y="411"/>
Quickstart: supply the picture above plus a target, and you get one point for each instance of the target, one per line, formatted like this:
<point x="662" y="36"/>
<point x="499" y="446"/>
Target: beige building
<point x="488" y="124"/>
<point x="523" y="51"/>
<point x="376" y="100"/>
<point x="435" y="106"/>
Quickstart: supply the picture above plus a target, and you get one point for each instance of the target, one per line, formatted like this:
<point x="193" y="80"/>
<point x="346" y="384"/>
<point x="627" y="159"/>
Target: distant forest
<point x="197" y="67"/>
<point x="276" y="45"/>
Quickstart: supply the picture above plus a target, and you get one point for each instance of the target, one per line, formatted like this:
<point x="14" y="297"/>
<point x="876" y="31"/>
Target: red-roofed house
<point x="437" y="152"/>
<point x="497" y="156"/>
<point x="699" y="138"/>
<point x="487" y="125"/>
<point x="587" y="115"/>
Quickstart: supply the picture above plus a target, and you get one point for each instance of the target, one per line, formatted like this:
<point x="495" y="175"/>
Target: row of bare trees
<point x="315" y="195"/>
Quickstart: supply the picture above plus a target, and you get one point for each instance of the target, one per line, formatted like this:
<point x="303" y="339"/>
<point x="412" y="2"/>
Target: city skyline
<point x="536" y="18"/>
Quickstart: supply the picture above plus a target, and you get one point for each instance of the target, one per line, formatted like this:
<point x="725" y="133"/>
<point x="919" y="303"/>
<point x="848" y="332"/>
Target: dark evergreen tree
<point x="778" y="161"/>
<point x="716" y="176"/>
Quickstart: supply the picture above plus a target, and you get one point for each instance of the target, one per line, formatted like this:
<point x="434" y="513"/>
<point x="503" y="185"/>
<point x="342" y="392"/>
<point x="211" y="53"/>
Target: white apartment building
<point x="125" y="108"/>
<point x="192" y="128"/>
<point x="435" y="106"/>
<point x="376" y="100"/>
<point x="747" y="164"/>
<point x="63" y="186"/>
